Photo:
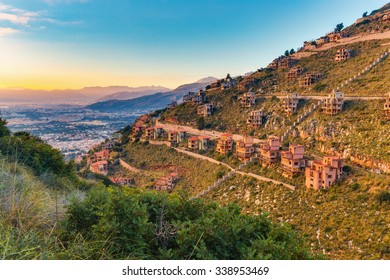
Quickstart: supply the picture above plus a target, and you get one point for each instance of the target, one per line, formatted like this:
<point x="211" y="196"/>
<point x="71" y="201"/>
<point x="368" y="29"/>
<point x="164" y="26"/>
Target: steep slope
<point x="350" y="219"/>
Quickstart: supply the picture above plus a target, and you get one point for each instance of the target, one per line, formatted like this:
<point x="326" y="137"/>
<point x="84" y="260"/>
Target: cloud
<point x="16" y="16"/>
<point x="17" y="19"/>
<point x="7" y="31"/>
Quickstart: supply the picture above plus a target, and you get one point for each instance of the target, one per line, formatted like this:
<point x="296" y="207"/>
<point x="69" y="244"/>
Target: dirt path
<point x="265" y="179"/>
<point x="211" y="133"/>
<point x="344" y="41"/>
<point x="128" y="166"/>
<point x="320" y="97"/>
<point x="195" y="155"/>
<point x="258" y="177"/>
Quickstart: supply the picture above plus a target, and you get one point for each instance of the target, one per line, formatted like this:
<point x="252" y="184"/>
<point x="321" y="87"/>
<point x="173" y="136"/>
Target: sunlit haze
<point x="54" y="44"/>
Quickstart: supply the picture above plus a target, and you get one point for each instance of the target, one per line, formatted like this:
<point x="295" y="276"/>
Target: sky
<point x="59" y="44"/>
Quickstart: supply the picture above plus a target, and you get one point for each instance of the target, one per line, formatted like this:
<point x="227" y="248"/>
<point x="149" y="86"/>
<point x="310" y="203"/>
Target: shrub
<point x="148" y="225"/>
<point x="384" y="197"/>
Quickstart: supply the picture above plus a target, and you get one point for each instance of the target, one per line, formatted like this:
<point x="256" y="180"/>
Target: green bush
<point x="147" y="225"/>
<point x="31" y="151"/>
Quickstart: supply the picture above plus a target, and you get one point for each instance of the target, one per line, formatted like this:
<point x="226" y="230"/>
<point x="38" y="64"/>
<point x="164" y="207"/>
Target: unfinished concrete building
<point x="244" y="148"/>
<point x="343" y="54"/>
<point x="98" y="156"/>
<point x="181" y="135"/>
<point x="248" y="99"/>
<point x="274" y="64"/>
<point x="387" y="108"/>
<point x="334" y="37"/>
<point x="149" y="132"/>
<point x="333" y="104"/>
<point x="188" y="97"/>
<point x="294" y="73"/>
<point x="137" y="130"/>
<point x="270" y="151"/>
<point x="200" y="143"/>
<point x="308" y="79"/>
<point x="173" y="137"/>
<point x="123" y="181"/>
<point x="309" y="45"/>
<point x="205" y="110"/>
<point x="293" y="160"/>
<point x="204" y="142"/>
<point x="166" y="183"/>
<point x="322" y="40"/>
<point x="290" y="103"/>
<point x="246" y="84"/>
<point x="322" y="174"/>
<point x="286" y="62"/>
<point x="228" y="83"/>
<point x="255" y="118"/>
<point x="154" y="132"/>
<point x="99" y="167"/>
<point x="225" y="144"/>
<point x="199" y="98"/>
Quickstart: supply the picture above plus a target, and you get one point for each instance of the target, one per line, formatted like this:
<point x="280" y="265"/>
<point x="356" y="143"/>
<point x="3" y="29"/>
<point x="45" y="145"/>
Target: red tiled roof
<point x="194" y="138"/>
<point x="102" y="162"/>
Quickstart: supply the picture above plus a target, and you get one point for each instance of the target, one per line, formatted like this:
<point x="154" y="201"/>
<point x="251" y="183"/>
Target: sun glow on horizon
<point x="162" y="43"/>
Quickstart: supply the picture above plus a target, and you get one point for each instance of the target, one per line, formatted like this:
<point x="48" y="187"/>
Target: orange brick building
<point x="293" y="160"/>
<point x="270" y="151"/>
<point x="245" y="149"/>
<point x="333" y="104"/>
<point x="99" y="167"/>
<point x="322" y="174"/>
<point x="290" y="103"/>
<point x="255" y="118"/>
<point x="248" y="99"/>
<point x="225" y="144"/>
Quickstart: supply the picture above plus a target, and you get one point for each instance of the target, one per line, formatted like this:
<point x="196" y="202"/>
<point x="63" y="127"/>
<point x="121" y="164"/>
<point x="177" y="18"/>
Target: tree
<point x="339" y="27"/>
<point x="228" y="77"/>
<point x="292" y="51"/>
<point x="365" y="14"/>
<point x="286" y="53"/>
<point x="4" y="131"/>
<point x="200" y="123"/>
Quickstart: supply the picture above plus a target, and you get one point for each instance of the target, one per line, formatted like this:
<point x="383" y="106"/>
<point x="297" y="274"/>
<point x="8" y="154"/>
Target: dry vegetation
<point x="345" y="222"/>
<point x="196" y="174"/>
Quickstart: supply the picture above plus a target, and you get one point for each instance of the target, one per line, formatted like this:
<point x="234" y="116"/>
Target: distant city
<point x="71" y="129"/>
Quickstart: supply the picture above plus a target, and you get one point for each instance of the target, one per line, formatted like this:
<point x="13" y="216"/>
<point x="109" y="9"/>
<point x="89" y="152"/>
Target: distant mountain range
<point x="154" y="101"/>
<point x="80" y="96"/>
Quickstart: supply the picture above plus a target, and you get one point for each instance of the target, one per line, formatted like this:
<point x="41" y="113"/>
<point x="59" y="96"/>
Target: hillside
<point x="349" y="220"/>
<point x="155" y="101"/>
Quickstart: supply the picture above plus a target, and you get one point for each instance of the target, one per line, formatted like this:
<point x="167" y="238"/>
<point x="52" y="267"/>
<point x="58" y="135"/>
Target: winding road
<point x="258" y="177"/>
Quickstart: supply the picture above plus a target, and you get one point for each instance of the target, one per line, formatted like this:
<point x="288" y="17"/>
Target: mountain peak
<point x="207" y="80"/>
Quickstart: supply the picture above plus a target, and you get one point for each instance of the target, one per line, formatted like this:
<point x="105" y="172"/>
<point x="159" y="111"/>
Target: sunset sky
<point x="47" y="44"/>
